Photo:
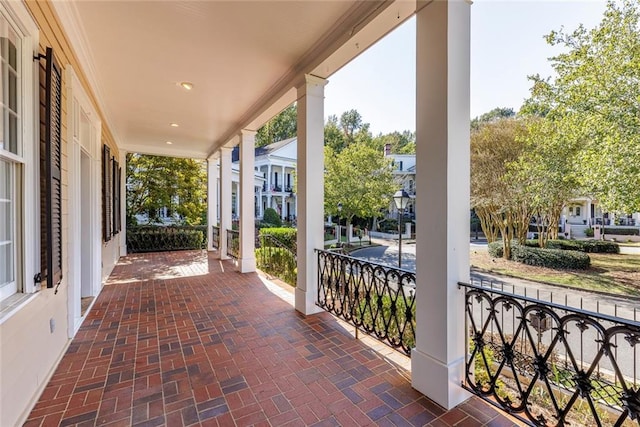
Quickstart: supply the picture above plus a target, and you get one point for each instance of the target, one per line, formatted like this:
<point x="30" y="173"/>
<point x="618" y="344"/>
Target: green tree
<point x="400" y="142"/>
<point x="497" y="195"/>
<point x="493" y="115"/>
<point x="594" y="98"/>
<point x="333" y="135"/>
<point x="154" y="182"/>
<point x="360" y="178"/>
<point x="283" y="126"/>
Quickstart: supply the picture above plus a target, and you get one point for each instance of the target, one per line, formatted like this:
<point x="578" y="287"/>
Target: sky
<point x="507" y="45"/>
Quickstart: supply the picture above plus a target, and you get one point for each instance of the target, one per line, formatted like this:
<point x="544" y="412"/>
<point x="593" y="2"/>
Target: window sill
<point x="9" y="306"/>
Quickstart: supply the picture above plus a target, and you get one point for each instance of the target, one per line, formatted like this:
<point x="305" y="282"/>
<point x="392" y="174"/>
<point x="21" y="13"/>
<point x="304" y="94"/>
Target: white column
<point x="123" y="203"/>
<point x="284" y="204"/>
<point x="310" y="190"/>
<point x="247" y="261"/>
<point x="269" y="184"/>
<point x="225" y="199"/>
<point x="587" y="215"/>
<point x="212" y="199"/>
<point x="442" y="164"/>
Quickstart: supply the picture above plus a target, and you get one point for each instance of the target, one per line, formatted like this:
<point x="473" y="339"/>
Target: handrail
<point x="375" y="298"/>
<point x="550" y="364"/>
<point x="233" y="244"/>
<point x="215" y="236"/>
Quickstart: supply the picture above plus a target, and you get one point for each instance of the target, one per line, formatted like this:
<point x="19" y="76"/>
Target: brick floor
<point x="181" y="339"/>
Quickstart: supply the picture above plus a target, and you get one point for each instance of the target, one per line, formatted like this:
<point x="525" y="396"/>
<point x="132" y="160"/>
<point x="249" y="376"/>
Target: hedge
<point x="278" y="262"/>
<point x="622" y="231"/>
<point x="286" y="236"/>
<point x="161" y="239"/>
<point x="496" y="249"/>
<point x="550" y="258"/>
<point x="590" y="246"/>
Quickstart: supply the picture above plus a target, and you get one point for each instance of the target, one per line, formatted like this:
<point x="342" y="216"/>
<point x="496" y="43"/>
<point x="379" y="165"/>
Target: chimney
<point x="387" y="149"/>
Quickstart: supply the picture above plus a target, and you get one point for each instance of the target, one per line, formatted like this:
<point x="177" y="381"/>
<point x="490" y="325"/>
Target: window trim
<point x="27" y="213"/>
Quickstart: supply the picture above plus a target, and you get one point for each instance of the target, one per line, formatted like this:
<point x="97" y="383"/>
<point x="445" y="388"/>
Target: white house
<point x="275" y="166"/>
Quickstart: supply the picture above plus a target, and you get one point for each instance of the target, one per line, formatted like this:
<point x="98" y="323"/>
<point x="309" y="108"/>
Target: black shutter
<point x="51" y="165"/>
<point x="116" y="197"/>
<point x="106" y="194"/>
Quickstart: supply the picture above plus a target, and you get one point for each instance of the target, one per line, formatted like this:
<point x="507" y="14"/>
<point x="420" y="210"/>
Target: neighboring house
<point x="276" y="166"/>
<point x="586" y="211"/>
<point x="404" y="173"/>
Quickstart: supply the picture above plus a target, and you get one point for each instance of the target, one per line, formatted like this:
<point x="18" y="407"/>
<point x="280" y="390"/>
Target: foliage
<point x="154" y="182"/>
<point x="360" y="179"/>
<point x="400" y="143"/>
<point x="593" y="101"/>
<point x="590" y="246"/>
<point x="287" y="236"/>
<point x="282" y="126"/>
<point x="622" y="231"/>
<point x="350" y="129"/>
<point x="158" y="239"/>
<point x="589" y="232"/>
<point x="384" y="313"/>
<point x="492" y="116"/>
<point x="278" y="262"/>
<point x="496" y="249"/>
<point x="270" y="216"/>
<point x="550" y="258"/>
<point x="497" y="193"/>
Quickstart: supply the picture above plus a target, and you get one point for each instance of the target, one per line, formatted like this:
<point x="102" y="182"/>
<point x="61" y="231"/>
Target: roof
<point x="265" y="150"/>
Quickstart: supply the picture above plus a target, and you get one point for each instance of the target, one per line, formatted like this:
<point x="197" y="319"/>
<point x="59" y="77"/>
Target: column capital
<point x="312" y="86"/>
<point x="247" y="133"/>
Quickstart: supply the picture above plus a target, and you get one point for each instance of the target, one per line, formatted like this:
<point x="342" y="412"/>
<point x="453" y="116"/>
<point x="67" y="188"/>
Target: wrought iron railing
<point x="233" y="244"/>
<point x="550" y="364"/>
<point x="215" y="236"/>
<point x="277" y="259"/>
<point x="376" y="299"/>
<point x="158" y="238"/>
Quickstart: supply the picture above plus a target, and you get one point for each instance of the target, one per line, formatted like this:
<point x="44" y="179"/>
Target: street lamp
<point x="339" y="233"/>
<point x="401" y="198"/>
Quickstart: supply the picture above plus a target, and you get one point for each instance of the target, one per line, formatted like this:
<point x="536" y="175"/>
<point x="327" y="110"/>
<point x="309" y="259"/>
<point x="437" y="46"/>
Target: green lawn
<point x="611" y="273"/>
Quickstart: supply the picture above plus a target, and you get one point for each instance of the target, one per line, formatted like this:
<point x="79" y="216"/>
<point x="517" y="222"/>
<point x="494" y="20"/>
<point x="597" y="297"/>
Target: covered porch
<point x="182" y="338"/>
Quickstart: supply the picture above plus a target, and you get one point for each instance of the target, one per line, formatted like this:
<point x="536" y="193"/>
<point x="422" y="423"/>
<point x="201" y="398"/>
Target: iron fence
<point x="550" y="364"/>
<point x="276" y="258"/>
<point x="233" y="244"/>
<point x="215" y="236"/>
<point x="157" y="238"/>
<point x="376" y="299"/>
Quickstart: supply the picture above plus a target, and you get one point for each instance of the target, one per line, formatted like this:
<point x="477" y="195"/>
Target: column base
<point x="247" y="265"/>
<point x="437" y="381"/>
<point x="306" y="302"/>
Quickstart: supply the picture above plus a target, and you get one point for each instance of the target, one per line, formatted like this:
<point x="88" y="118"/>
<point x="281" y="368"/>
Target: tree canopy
<point x="593" y="100"/>
<point x="360" y="179"/>
<point x="283" y="126"/>
<point x="154" y="182"/>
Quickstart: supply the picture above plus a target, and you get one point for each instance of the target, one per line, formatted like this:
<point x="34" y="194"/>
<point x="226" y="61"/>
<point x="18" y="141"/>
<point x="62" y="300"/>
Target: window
<point x="577" y="210"/>
<point x="11" y="159"/>
<point x="18" y="158"/>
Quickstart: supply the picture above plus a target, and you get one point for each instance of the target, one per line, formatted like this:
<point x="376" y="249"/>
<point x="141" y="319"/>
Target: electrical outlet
<point x="52" y="325"/>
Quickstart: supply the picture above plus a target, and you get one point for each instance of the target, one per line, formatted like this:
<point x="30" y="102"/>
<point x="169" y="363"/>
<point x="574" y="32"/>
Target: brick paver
<point x="181" y="339"/>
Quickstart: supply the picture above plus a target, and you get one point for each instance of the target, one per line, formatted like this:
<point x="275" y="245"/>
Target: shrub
<point x="496" y="249"/>
<point x="158" y="239"/>
<point x="622" y="231"/>
<point x="600" y="246"/>
<point x="551" y="258"/>
<point x="271" y="216"/>
<point x="278" y="262"/>
<point x="589" y="232"/>
<point x="286" y="236"/>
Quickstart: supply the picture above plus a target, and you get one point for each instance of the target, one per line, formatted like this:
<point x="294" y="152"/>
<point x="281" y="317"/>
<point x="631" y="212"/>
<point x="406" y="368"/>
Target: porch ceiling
<point x="244" y="59"/>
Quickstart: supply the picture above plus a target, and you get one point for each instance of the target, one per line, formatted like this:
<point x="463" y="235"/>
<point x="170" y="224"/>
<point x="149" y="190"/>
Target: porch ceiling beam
<point x="366" y="23"/>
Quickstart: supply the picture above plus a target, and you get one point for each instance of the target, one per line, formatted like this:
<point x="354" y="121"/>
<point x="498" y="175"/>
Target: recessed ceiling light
<point x="174" y="125"/>
<point x="169" y="142"/>
<point x="186" y="85"/>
